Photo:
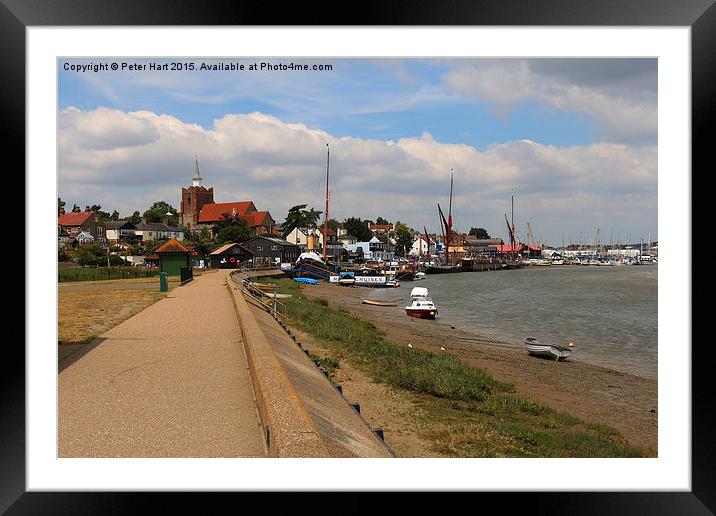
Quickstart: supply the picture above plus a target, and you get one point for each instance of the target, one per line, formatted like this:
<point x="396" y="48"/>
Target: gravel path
<point x="172" y="381"/>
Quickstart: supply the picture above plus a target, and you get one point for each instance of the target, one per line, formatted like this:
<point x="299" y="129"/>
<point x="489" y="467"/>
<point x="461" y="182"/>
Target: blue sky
<point x="503" y="116"/>
<point x="372" y="112"/>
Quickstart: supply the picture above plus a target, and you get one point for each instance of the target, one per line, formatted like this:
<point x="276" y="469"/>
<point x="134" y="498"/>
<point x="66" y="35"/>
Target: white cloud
<point x="127" y="160"/>
<point x="625" y="108"/>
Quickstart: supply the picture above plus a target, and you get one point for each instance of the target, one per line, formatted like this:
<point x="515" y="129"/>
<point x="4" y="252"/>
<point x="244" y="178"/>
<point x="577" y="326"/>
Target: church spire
<point x="196" y="180"/>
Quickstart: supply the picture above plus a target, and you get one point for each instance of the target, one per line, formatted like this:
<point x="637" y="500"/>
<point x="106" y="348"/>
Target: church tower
<point x="194" y="197"/>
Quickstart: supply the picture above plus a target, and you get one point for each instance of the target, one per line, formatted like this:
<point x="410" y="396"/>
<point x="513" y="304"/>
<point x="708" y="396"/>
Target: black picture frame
<point x="700" y="15"/>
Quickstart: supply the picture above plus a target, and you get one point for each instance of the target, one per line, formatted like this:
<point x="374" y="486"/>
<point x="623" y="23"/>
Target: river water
<point x="609" y="313"/>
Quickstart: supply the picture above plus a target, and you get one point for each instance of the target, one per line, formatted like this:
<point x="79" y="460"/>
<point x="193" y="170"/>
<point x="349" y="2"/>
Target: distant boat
<point x="406" y="275"/>
<point x="379" y="303"/>
<point x="443" y="269"/>
<point x="419" y="276"/>
<point x="539" y="262"/>
<point x="448" y="265"/>
<point x="347" y="279"/>
<point x="422" y="307"/>
<point x="535" y="347"/>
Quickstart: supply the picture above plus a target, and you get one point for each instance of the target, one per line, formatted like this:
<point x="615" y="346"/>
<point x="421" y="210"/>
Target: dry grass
<point x="83" y="315"/>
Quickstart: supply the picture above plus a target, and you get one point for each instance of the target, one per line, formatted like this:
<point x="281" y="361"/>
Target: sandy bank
<point x="592" y="393"/>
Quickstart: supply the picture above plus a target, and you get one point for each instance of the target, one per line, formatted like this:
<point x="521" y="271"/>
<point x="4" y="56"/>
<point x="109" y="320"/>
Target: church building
<point x="194" y="198"/>
<point x="199" y="210"/>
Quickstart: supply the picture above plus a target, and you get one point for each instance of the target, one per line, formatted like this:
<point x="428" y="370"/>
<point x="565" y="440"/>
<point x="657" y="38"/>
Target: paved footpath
<point x="172" y="381"/>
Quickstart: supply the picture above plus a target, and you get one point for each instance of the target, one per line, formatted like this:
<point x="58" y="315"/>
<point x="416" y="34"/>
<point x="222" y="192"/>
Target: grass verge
<point x="463" y="411"/>
<point x="82" y="315"/>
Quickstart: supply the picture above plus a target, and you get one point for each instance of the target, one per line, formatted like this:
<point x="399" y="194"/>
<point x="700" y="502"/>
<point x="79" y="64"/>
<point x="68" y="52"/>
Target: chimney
<point x="87" y="209"/>
<point x="62" y="210"/>
<point x="233" y="212"/>
<point x="144" y="220"/>
<point x="76" y="209"/>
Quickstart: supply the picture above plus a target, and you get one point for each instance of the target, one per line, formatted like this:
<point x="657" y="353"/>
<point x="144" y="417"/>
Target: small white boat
<point x="535" y="347"/>
<point x="392" y="282"/>
<point x="273" y="295"/>
<point x="379" y="303"/>
<point x="422" y="306"/>
<point x="347" y="279"/>
<point x="419" y="276"/>
<point x="539" y="262"/>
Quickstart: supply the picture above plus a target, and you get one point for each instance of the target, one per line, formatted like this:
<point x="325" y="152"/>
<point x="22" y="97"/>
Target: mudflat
<point x="595" y="394"/>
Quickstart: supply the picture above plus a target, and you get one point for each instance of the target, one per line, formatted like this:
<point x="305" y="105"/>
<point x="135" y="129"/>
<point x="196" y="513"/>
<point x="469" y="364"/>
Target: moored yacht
<point x="422" y="307"/>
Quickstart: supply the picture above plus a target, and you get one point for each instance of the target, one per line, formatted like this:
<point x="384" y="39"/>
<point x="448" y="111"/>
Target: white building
<point x="153" y="231"/>
<point x="308" y="239"/>
<point x="84" y="238"/>
<point x="420" y="247"/>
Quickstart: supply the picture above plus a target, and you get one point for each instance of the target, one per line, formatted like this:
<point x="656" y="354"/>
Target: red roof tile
<point x="226" y="247"/>
<point x="172" y="246"/>
<point x="74" y="218"/>
<point x="213" y="212"/>
<point x="256" y="218"/>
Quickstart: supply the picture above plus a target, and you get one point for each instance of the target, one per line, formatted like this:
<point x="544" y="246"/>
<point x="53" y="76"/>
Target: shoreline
<point x="593" y="393"/>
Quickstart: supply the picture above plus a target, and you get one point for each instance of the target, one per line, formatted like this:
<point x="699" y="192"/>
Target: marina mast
<point x="325" y="227"/>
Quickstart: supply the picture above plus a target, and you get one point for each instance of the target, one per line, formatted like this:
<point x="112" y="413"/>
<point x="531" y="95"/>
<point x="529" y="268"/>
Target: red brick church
<point x="199" y="210"/>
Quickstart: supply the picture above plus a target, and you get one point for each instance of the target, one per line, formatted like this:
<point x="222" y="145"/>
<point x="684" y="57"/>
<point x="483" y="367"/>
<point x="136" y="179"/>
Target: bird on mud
<point x="410" y="345"/>
<point x="442" y="348"/>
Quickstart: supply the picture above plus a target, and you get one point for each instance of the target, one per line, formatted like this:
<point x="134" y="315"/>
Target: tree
<point x="480" y="233"/>
<point x="381" y="220"/>
<point x="158" y="213"/>
<point x="358" y="228"/>
<point x="60" y="205"/>
<point x="299" y="217"/>
<point x="238" y="232"/>
<point x="114" y="216"/>
<point x="333" y="224"/>
<point x="135" y="218"/>
<point x="403" y="239"/>
<point x="102" y="215"/>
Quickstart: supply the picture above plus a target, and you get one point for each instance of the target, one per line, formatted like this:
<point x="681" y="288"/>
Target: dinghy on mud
<point x="536" y="348"/>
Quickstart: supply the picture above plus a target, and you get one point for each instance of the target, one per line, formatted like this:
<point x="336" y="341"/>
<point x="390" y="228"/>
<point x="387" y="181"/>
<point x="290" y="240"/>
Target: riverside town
<point x="397" y="283"/>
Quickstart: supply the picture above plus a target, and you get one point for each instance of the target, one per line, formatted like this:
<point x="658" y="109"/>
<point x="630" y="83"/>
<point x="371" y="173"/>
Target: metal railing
<point x="272" y="305"/>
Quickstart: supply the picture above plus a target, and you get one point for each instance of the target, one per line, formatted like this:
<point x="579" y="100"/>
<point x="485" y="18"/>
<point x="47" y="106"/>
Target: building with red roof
<point x="381" y="228"/>
<point x="77" y="221"/>
<point x="173" y="256"/>
<point x="198" y="209"/>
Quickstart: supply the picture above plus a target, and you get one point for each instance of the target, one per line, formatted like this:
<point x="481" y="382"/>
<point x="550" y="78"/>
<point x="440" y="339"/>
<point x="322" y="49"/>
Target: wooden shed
<point x="173" y="255"/>
<point x="270" y="252"/>
<point x="229" y="256"/>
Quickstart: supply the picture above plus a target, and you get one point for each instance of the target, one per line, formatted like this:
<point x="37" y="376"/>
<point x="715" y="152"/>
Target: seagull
<point x="410" y="345"/>
<point x="442" y="348"/>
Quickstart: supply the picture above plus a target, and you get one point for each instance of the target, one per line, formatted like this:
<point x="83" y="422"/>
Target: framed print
<point x="234" y="185"/>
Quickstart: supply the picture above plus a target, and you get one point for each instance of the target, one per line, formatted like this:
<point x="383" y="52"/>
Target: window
<point x="189" y="200"/>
